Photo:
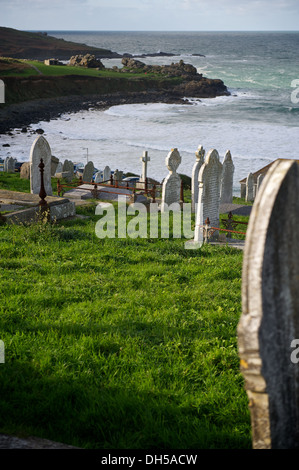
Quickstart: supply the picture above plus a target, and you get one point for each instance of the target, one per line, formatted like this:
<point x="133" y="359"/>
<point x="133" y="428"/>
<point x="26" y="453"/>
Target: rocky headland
<point x="40" y="46"/>
<point x="33" y="98"/>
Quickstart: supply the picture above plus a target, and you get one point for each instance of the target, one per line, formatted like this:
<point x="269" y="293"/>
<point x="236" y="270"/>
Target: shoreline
<point x="22" y="115"/>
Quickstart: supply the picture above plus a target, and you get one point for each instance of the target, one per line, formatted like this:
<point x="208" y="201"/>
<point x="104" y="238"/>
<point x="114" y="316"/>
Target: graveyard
<point x="132" y="342"/>
<point x="119" y="342"/>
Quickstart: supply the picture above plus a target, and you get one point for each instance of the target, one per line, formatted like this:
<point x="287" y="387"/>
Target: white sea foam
<point x="119" y="135"/>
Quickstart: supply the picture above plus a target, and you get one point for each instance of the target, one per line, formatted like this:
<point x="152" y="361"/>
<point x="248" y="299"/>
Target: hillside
<point x="39" y="46"/>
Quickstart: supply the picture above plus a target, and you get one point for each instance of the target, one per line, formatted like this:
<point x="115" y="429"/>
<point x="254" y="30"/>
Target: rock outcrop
<point x="179" y="69"/>
<point x="89" y="61"/>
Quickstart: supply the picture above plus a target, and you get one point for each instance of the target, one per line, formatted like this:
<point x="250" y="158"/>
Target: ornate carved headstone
<point x="171" y="188"/>
<point x="270" y="310"/>
<point x="226" y="189"/>
<point x="200" y="155"/>
<point x="209" y="179"/>
<point x="249" y="188"/>
<point x="88" y="172"/>
<point x="40" y="149"/>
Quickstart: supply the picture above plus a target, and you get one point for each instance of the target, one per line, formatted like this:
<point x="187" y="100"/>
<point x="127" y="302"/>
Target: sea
<point x="258" y="122"/>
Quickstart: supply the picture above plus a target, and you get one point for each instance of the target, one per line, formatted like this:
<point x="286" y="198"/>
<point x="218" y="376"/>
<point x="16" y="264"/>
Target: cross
<point x="144" y="159"/>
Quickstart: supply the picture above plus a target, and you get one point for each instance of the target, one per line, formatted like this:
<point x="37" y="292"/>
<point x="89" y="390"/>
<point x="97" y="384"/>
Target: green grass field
<point x="120" y="343"/>
<point x="25" y="68"/>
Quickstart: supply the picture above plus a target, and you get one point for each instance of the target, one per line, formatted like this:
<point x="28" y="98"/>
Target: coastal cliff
<point x="35" y="91"/>
<point x="36" y="98"/>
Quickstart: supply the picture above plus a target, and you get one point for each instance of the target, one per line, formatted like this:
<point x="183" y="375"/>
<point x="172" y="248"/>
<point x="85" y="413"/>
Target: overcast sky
<point x="150" y="15"/>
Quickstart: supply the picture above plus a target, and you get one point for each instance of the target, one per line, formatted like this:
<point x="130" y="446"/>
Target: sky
<point x="151" y="15"/>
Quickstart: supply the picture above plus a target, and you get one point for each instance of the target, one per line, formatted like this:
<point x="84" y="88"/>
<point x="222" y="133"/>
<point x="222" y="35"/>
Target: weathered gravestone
<point x="171" y="188"/>
<point x="106" y="174"/>
<point x="98" y="177"/>
<point x="208" y="205"/>
<point x="88" y="172"/>
<point x="40" y="149"/>
<point x="226" y="188"/>
<point x="268" y="329"/>
<point x="54" y="163"/>
<point x="200" y="155"/>
<point x="25" y="171"/>
<point x="249" y="197"/>
<point x="59" y="168"/>
<point x="9" y="165"/>
<point x="259" y="181"/>
<point x="68" y="170"/>
<point x="117" y="176"/>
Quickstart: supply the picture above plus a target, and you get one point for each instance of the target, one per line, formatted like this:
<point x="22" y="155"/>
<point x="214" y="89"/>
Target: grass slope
<point x="10" y="67"/>
<point x="120" y="343"/>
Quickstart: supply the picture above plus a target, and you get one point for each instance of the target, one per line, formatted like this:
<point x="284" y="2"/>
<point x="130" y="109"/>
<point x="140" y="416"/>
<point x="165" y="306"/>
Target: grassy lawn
<point x="72" y="70"/>
<point x="13" y="182"/>
<point x="120" y="343"/>
<point x="15" y="67"/>
<point x="23" y="68"/>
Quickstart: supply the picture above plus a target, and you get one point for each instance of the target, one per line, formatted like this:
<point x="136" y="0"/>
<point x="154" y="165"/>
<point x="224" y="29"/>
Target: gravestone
<point x="171" y="188"/>
<point x="268" y="329"/>
<point x="59" y="168"/>
<point x="98" y="177"/>
<point x="208" y="205"/>
<point x="106" y="174"/>
<point x="199" y="154"/>
<point x="243" y="190"/>
<point x="68" y="170"/>
<point x="117" y="175"/>
<point x="259" y="181"/>
<point x="226" y="188"/>
<point x="25" y="171"/>
<point x="54" y="163"/>
<point x="40" y="149"/>
<point x="9" y="165"/>
<point x="88" y="172"/>
<point x="144" y="159"/>
<point x="249" y="188"/>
